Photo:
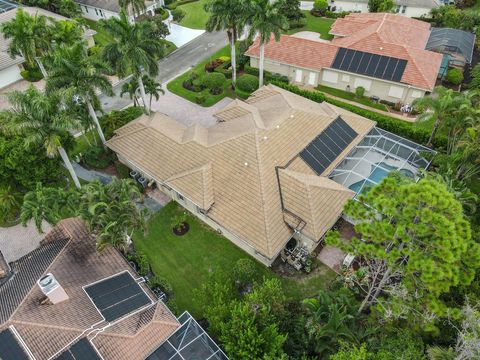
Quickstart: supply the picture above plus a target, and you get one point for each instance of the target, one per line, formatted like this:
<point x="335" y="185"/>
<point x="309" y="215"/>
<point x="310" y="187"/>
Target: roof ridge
<point x="412" y="58"/>
<point x="189" y="172"/>
<point x="48" y="326"/>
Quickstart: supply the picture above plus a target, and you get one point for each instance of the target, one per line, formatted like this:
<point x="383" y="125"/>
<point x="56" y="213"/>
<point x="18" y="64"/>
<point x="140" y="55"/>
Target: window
<point x="86" y="9"/>
<point x="180" y="197"/>
<point x="346" y="78"/>
<point x="330" y="76"/>
<point x="366" y="84"/>
<point x="298" y="75"/>
<point x="96" y="11"/>
<point x="101" y="13"/>
<point x="397" y="9"/>
<point x="395" y="91"/>
<point x="416" y="94"/>
<point x="311" y="78"/>
<point x="404" y="8"/>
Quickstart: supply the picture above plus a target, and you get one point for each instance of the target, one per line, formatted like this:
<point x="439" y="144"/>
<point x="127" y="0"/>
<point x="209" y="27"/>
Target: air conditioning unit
<point x="134" y="174"/>
<point x="52" y="289"/>
<point x="348" y="260"/>
<point x="143" y="181"/>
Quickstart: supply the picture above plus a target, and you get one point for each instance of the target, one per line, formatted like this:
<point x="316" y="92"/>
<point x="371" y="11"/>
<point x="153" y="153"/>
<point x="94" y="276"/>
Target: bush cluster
<point x="387" y="123"/>
<point x="247" y="83"/>
<point x="336" y="15"/>
<point x="178" y="14"/>
<point x="117" y="118"/>
<point x="31" y="75"/>
<point x="213" y="82"/>
<point x="97" y="157"/>
<point x="162" y="283"/>
<point x="269" y="77"/>
<point x="454" y="76"/>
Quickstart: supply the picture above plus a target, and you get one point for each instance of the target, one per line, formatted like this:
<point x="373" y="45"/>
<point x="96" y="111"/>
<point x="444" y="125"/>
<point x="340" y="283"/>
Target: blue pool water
<point x="377" y="174"/>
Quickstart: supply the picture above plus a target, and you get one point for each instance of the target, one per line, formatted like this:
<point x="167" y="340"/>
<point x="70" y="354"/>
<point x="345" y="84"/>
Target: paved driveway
<point x="187" y="112"/>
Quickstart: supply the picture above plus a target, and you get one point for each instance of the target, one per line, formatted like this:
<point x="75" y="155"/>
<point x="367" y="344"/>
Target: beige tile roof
<point x="242" y="153"/>
<point x="49" y="329"/>
<point x="377" y="33"/>
<point x="5" y="59"/>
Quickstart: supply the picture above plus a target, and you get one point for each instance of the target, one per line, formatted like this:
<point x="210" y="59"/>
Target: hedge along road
<point x="173" y="65"/>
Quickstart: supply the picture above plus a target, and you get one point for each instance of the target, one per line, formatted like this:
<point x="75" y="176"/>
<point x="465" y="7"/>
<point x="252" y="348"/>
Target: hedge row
<point x="269" y="77"/>
<point x="388" y="123"/>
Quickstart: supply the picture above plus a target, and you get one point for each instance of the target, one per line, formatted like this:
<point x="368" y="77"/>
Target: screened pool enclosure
<point x="378" y="154"/>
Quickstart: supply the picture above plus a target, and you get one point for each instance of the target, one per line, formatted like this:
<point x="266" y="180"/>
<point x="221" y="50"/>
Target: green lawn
<point x="316" y="24"/>
<point x="101" y="37"/>
<point x="351" y="96"/>
<point x="186" y="261"/>
<point x="195" y="17"/>
<point x="175" y="86"/>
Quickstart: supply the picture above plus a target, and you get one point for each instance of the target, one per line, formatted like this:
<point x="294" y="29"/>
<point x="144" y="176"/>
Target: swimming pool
<point x="377" y="174"/>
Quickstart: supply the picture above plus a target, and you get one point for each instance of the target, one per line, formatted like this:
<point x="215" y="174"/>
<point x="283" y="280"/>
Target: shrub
<point x="200" y="98"/>
<point x="245" y="272"/>
<point x="242" y="47"/>
<point x="117" y="118"/>
<point x="336" y="15"/>
<point x="31" y="75"/>
<point x="385" y="122"/>
<point x="122" y="170"/>
<point x="97" y="157"/>
<point x="225" y="69"/>
<point x="94" y="50"/>
<point x="224" y="58"/>
<point x="319" y="7"/>
<point x="242" y="94"/>
<point x="454" y="76"/>
<point x="162" y="283"/>
<point x="211" y="65"/>
<point x="162" y="13"/>
<point x="296" y="24"/>
<point x="360" y="91"/>
<point x="212" y="80"/>
<point x="268" y="75"/>
<point x="141" y="262"/>
<point x="178" y="14"/>
<point x="247" y="82"/>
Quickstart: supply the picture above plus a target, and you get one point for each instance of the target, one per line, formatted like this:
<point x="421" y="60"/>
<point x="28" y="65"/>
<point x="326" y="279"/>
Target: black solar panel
<point x="326" y="147"/>
<point x="10" y="349"/>
<point x="117" y="296"/>
<point x="379" y="66"/>
<point x="81" y="350"/>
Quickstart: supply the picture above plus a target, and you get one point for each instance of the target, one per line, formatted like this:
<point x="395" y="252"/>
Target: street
<point x="173" y="65"/>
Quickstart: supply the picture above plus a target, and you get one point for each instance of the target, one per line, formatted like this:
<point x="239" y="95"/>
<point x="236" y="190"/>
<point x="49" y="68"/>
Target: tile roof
<point x="241" y="152"/>
<point x="5" y="59"/>
<point x="48" y="329"/>
<point x="377" y="33"/>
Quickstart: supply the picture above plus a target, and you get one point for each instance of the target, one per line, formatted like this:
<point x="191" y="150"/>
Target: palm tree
<point x="41" y="119"/>
<point x="66" y="32"/>
<point x="229" y="15"/>
<point x="152" y="88"/>
<point x="267" y="20"/>
<point x="442" y="106"/>
<point x="28" y="35"/>
<point x="137" y="6"/>
<point x="134" y="49"/>
<point x="131" y="88"/>
<point x="72" y="68"/>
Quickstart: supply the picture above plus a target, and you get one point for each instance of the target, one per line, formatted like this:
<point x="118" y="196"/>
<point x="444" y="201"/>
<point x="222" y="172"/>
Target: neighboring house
<point x="10" y="68"/>
<point x="65" y="300"/>
<point x="410" y="8"/>
<point x="383" y="53"/>
<point x="104" y="9"/>
<point x="261" y="175"/>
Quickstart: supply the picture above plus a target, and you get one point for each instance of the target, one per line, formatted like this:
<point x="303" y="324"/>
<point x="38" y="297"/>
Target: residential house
<point x="409" y="8"/>
<point x="273" y="167"/>
<point x="383" y="53"/>
<point x="105" y="9"/>
<point x="10" y="68"/>
<point x="65" y="300"/>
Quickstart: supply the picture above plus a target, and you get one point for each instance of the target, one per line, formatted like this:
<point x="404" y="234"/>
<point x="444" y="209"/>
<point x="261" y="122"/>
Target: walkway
<point x="180" y="35"/>
<point x="90" y="175"/>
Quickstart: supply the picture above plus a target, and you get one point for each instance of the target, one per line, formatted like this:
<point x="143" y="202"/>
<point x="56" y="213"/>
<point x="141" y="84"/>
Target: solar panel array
<point x="10" y="349"/>
<point x="81" y="350"/>
<point x="326" y="147"/>
<point x="378" y="66"/>
<point x="117" y="296"/>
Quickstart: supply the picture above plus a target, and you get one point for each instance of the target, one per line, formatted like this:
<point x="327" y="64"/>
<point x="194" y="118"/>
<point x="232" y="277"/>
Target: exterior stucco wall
<point x="96" y="14"/>
<point x="349" y="6"/>
<point x="383" y="89"/>
<point x="416" y="11"/>
<point x="9" y="76"/>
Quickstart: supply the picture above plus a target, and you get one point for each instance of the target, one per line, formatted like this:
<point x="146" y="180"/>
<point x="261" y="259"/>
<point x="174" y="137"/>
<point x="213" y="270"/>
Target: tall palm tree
<point x="66" y="32"/>
<point x="137" y="6"/>
<point x="41" y="119"/>
<point x="229" y="15"/>
<point x="267" y="20"/>
<point x="134" y="49"/>
<point x="442" y="106"/>
<point x="72" y="68"/>
<point x="28" y="35"/>
<point x="131" y="88"/>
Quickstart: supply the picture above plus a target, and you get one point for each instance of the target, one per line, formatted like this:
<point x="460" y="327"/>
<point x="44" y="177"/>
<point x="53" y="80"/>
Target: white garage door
<point x="9" y="76"/>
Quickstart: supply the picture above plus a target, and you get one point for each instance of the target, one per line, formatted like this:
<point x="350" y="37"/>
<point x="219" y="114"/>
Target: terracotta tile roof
<point x="378" y="33"/>
<point x="49" y="329"/>
<point x="242" y="153"/>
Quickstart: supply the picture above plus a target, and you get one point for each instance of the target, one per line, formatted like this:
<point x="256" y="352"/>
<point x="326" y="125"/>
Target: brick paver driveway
<point x="187" y="112"/>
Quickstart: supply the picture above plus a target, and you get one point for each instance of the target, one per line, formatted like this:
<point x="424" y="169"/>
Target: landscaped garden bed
<point x="186" y="261"/>
<point x="364" y="100"/>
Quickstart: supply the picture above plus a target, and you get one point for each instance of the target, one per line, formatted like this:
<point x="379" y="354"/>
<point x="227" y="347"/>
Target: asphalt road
<point x="174" y="64"/>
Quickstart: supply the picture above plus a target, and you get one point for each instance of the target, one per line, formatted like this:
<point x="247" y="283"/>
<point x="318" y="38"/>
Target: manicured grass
<point x="352" y="97"/>
<point x="185" y="261"/>
<point x="195" y="17"/>
<point x="101" y="37"/>
<point x="315" y="24"/>
<point x="176" y="87"/>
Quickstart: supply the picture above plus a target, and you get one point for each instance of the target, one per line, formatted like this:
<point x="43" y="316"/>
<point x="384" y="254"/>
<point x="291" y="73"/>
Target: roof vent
<point x="52" y="289"/>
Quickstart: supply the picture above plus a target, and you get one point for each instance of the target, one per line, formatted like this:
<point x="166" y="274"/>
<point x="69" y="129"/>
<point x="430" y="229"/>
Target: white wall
<point x="9" y="75"/>
<point x="349" y="6"/>
<point x="93" y="13"/>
